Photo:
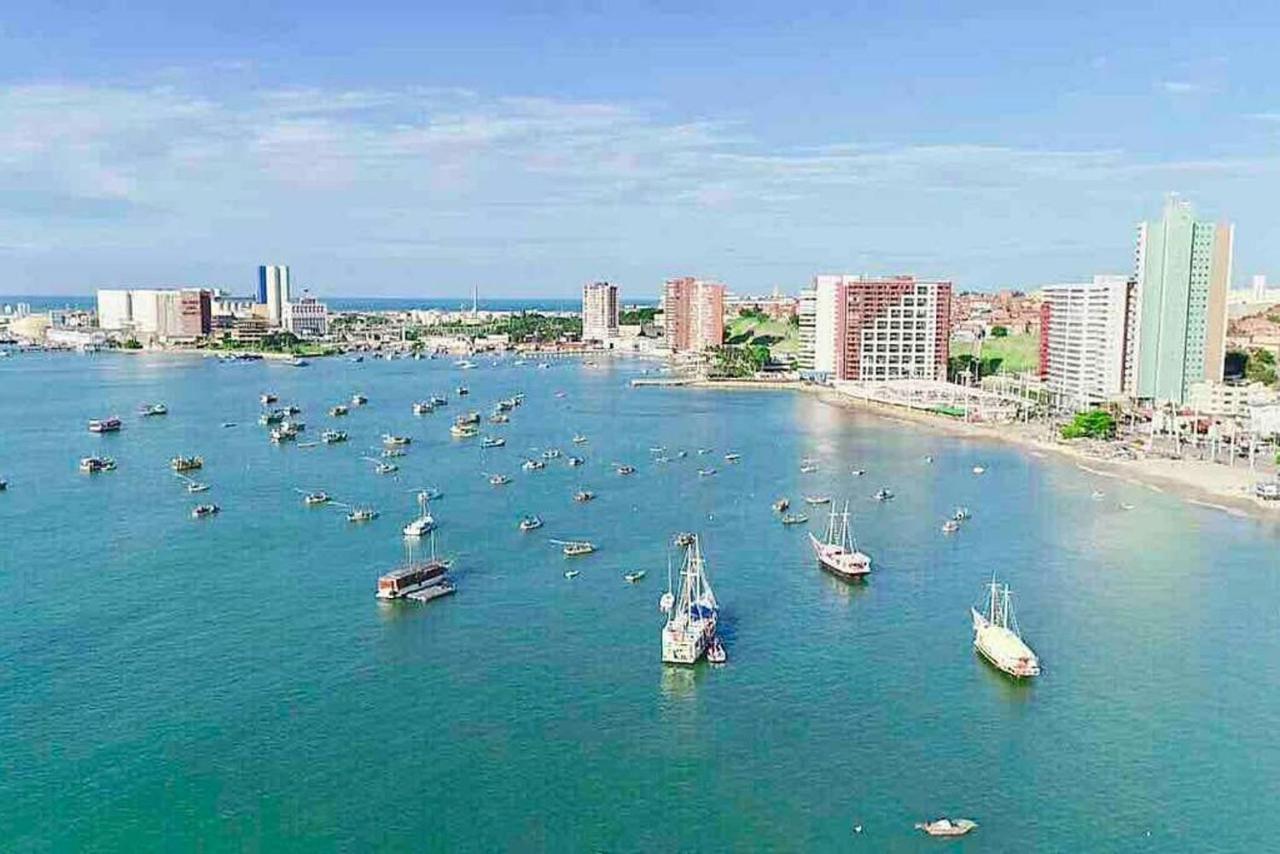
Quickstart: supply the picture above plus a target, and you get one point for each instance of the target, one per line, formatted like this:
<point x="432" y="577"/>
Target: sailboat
<point x="996" y="635"/>
<point x="837" y="553"/>
<point x="691" y="623"/>
<point x="425" y="523"/>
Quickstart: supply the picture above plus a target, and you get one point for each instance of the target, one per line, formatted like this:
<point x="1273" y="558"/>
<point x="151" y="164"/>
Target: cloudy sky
<point x="403" y="150"/>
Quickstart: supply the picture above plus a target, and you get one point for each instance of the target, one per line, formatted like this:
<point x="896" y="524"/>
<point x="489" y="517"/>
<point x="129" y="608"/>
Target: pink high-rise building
<point x="694" y="314"/>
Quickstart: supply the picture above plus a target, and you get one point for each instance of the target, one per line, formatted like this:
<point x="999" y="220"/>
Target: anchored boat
<point x="996" y="635"/>
<point x="421" y="581"/>
<point x="691" y="623"/>
<point x="837" y="553"/>
<point x="181" y="464"/>
<point x="105" y="425"/>
<point x="425" y="523"/>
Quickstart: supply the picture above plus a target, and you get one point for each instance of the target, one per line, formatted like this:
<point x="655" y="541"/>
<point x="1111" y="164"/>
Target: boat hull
<point x="1002" y="649"/>
<point x="851" y="566"/>
<point x="686" y="644"/>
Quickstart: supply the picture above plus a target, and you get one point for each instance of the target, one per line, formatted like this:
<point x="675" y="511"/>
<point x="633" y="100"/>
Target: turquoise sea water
<point x="228" y="684"/>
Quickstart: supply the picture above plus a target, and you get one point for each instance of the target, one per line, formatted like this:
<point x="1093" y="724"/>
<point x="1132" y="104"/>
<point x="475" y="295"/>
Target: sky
<point x="421" y="149"/>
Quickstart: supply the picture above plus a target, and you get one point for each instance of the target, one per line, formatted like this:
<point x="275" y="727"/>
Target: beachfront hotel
<point x="875" y="328"/>
<point x="693" y="311"/>
<point x="1183" y="269"/>
<point x="599" y="312"/>
<point x="1083" y="332"/>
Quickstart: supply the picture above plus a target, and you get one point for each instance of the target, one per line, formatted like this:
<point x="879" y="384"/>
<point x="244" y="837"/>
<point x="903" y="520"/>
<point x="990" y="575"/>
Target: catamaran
<point x="691" y="623"/>
<point x="837" y="553"/>
<point x="996" y="635"/>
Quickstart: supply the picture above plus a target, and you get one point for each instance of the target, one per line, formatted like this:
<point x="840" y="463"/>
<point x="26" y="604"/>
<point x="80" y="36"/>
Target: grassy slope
<point x="787" y="335"/>
<point x="1019" y="352"/>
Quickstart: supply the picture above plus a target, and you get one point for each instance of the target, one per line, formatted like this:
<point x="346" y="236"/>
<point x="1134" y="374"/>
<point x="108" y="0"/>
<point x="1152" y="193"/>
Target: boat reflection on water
<point x="840" y="589"/>
<point x="679" y="683"/>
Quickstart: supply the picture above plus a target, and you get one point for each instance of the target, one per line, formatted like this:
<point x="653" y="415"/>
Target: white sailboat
<point x="837" y="553"/>
<point x="425" y="523"/>
<point x="996" y="635"/>
<point x="691" y="623"/>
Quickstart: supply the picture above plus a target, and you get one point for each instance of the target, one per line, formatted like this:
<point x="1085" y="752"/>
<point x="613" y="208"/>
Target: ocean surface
<point x="231" y="684"/>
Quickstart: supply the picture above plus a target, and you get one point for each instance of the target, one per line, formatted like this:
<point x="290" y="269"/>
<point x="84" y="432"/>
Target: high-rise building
<point x="157" y="315"/>
<point x="1083" y="330"/>
<point x="693" y="310"/>
<point x="807" y="315"/>
<point x="273" y="290"/>
<point x="599" y="312"/>
<point x="1183" y="271"/>
<point x="878" y="328"/>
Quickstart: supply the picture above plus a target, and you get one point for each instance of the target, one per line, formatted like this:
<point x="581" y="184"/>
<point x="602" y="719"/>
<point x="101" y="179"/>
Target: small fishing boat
<point x="702" y="451"/>
<point x="624" y="469"/>
<point x="463" y="431"/>
<point x="533" y="465"/>
<point x="961" y="513"/>
<point x="794" y="519"/>
<point x="492" y="442"/>
<point x="498" y="480"/>
<point x="330" y="437"/>
<point x="469" y="418"/>
<point x="530" y="523"/>
<point x="979" y="469"/>
<point x="362" y="514"/>
<point x="186" y="463"/>
<point x="575" y="548"/>
<point x="267" y="398"/>
<point x="386" y="452"/>
<point x="275" y="416"/>
<point x="359" y="400"/>
<point x="1097" y="495"/>
<point x="338" y="411"/>
<point x="732" y="458"/>
<point x="463" y="390"/>
<point x="386" y="468"/>
<point x="583" y="495"/>
<point x="148" y="410"/>
<point x="1124" y="506"/>
<point x="423" y="407"/>
<point x="394" y="441"/>
<point x="4" y="484"/>
<point x="93" y="465"/>
<point x="315" y="499"/>
<point x="194" y="487"/>
<point x="201" y="511"/>
<point x="105" y="425"/>
<point x="817" y="499"/>
<point x="947" y="827"/>
<point x="716" y="653"/>
<point x="808" y="466"/>
<point x="430" y="494"/>
<point x="706" y="472"/>
<point x="291" y="409"/>
<point x="858" y="472"/>
<point x="437" y="400"/>
<point x="950" y="526"/>
<point x="579" y="439"/>
<point x="499" y="418"/>
<point x="551" y="454"/>
<point x="574" y="461"/>
<point x="286" y="432"/>
<point x="883" y="495"/>
<point x="633" y="577"/>
<point x="928" y="458"/>
<point x="781" y="505"/>
<point x="572" y="573"/>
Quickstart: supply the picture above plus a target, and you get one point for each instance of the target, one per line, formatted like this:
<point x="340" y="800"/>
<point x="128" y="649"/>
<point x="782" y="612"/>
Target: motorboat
<point x="625" y="469"/>
<point x="492" y="442"/>
<point x="572" y="573"/>
<point x="194" y="487"/>
<point x="575" y="548"/>
<point x="979" y="469"/>
<point x="105" y="425"/>
<point x="947" y="827"/>
<point x="423" y="407"/>
<point x="386" y="468"/>
<point x="961" y="514"/>
<point x="424" y="524"/>
<point x="359" y="400"/>
<point x="732" y="458"/>
<point x="533" y="465"/>
<point x="362" y="514"/>
<point x="817" y="499"/>
<point x="93" y="465"/>
<point x="579" y="439"/>
<point x="315" y="499"/>
<point x="498" y="480"/>
<point x="781" y="505"/>
<point x="706" y="472"/>
<point x="148" y="410"/>
<point x="387" y="452"/>
<point x="950" y="526"/>
<point x="794" y="519"/>
<point x="530" y="523"/>
<point x="201" y="511"/>
<point x="883" y="495"/>
<point x="574" y="461"/>
<point x="716" y="653"/>
<point x="338" y="411"/>
<point x="551" y="454"/>
<point x="330" y="437"/>
<point x="463" y="431"/>
<point x="395" y="441"/>
<point x="634" y="577"/>
<point x="583" y="495"/>
<point x="463" y="390"/>
<point x="181" y="464"/>
<point x="499" y="418"/>
<point x="267" y="398"/>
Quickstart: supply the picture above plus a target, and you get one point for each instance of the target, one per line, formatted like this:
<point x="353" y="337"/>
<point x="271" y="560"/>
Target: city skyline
<point x="376" y="153"/>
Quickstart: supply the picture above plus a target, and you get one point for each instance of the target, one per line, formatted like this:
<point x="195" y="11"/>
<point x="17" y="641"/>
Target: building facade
<point x="274" y="290"/>
<point x="1183" y="271"/>
<point x="599" y="312"/>
<point x="876" y="328"/>
<point x="154" y="315"/>
<point x="693" y="312"/>
<point x="1083" y="330"/>
<point x="307" y="317"/>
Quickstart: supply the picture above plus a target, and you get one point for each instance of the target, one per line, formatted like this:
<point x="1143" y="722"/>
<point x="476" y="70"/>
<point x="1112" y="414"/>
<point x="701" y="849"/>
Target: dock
<point x="641" y="382"/>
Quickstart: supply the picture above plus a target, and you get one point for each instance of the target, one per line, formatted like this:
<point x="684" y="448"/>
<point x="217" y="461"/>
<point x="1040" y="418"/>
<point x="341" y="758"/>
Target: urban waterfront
<point x="226" y="683"/>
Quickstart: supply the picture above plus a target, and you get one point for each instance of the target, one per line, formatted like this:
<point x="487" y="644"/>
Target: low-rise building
<point x="307" y="317"/>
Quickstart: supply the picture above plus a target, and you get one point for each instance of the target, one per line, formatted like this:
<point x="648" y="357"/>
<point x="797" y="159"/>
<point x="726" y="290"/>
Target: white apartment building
<point x="599" y="312"/>
<point x="1084" y="327"/>
<point x="307" y="317"/>
<point x="807" y="315"/>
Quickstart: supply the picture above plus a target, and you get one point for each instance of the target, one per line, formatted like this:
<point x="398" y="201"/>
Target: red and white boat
<point x="837" y="553"/>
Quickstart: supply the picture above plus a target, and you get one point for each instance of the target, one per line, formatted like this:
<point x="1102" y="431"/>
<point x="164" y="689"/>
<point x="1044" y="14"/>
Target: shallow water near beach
<point x="231" y="683"/>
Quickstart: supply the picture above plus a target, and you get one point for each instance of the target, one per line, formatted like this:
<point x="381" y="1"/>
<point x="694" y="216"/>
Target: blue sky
<point x="406" y="149"/>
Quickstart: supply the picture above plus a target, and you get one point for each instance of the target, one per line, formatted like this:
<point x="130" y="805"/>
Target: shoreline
<point x="1204" y="484"/>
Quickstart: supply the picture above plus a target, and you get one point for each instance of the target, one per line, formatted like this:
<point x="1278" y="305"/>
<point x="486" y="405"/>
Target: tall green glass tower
<point x="1183" y="273"/>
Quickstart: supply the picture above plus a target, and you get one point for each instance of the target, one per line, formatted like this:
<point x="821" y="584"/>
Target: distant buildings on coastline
<point x="875" y="328"/>
<point x="693" y="314"/>
<point x="599" y="312"/>
<point x="1152" y="335"/>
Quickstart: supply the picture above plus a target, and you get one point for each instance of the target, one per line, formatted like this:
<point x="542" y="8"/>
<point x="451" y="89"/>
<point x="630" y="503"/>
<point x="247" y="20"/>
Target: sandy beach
<point x="1222" y="487"/>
